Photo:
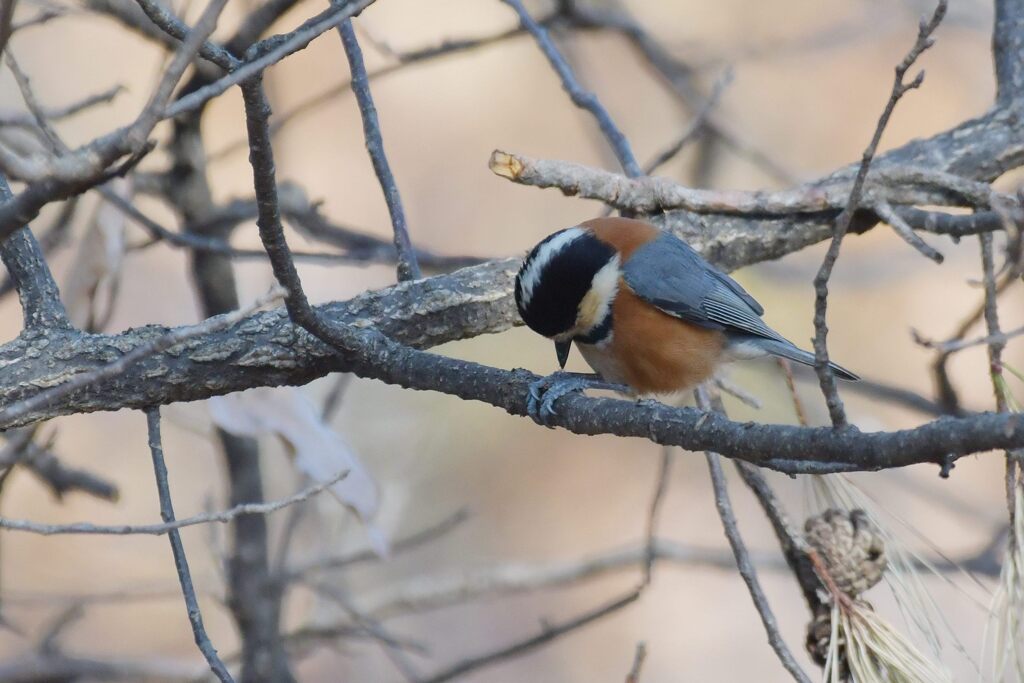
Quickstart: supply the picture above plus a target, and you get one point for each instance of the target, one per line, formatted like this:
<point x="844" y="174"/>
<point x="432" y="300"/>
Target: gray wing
<point x="669" y="274"/>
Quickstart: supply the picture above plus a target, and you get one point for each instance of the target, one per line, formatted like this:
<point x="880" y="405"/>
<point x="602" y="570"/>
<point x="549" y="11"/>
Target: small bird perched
<point x="647" y="312"/>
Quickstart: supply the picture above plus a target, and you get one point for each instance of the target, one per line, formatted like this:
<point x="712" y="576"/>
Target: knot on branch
<point x="850" y="547"/>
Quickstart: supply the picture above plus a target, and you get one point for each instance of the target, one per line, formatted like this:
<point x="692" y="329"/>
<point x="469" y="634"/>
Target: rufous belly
<point x="651" y="351"/>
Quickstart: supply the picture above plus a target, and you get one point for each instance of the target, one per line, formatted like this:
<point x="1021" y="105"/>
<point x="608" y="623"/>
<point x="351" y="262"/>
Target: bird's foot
<point x="540" y="404"/>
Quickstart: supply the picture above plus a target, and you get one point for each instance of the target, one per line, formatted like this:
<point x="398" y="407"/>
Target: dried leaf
<point x="320" y="452"/>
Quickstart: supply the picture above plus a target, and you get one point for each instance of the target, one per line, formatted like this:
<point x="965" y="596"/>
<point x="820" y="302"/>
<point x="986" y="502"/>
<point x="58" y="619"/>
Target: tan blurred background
<point x="811" y="77"/>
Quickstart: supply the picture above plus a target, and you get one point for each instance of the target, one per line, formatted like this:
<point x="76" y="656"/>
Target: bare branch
<point x="903" y="185"/>
<point x="549" y="632"/>
<point x="886" y="212"/>
<point x="638" y="661"/>
<point x="825" y="374"/>
<point x="21" y="449"/>
<point x="195" y="617"/>
<point x="166" y="342"/>
<point x="696" y="125"/>
<point x="160" y="529"/>
<point x="46" y="668"/>
<point x="22" y="256"/>
<point x="68" y="174"/>
<point x="580" y="97"/>
<point x="1007" y="48"/>
<point x="21" y="120"/>
<point x="6" y="17"/>
<point x="267" y="53"/>
<point x="743" y="563"/>
<point x="408" y="269"/>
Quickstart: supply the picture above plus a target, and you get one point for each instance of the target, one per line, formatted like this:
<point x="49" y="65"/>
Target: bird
<point x="647" y="312"/>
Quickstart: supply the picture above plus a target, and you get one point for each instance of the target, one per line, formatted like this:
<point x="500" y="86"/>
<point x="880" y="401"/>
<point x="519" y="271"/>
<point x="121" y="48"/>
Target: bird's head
<point x="566" y="287"/>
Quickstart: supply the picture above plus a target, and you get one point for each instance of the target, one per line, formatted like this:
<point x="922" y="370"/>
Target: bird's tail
<point x="787" y="350"/>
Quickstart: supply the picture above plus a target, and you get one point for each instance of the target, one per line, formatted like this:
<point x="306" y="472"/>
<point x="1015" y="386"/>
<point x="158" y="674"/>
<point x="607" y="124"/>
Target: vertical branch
<point x="408" y="268"/>
<point x="195" y="617"/>
<point x="6" y="19"/>
<point x="1008" y="50"/>
<point x="743" y="562"/>
<point x="254" y="600"/>
<point x="825" y="375"/>
<point x="995" y="362"/>
<point x="747" y="571"/>
<point x="37" y="290"/>
<point x="582" y="98"/>
<point x="653" y="510"/>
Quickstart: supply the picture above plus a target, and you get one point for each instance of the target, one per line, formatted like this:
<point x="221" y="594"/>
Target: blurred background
<point x="810" y="78"/>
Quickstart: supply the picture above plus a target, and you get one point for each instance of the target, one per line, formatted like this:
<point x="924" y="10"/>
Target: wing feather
<point x="669" y="274"/>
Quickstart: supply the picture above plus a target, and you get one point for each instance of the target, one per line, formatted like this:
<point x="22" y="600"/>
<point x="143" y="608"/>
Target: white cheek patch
<point x="597" y="302"/>
<point x="531" y="276"/>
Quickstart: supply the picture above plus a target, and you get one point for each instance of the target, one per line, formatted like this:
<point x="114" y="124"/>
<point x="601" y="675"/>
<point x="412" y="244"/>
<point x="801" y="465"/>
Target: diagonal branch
<point x="23" y="257"/>
<point x="581" y="97"/>
<point x="826" y="376"/>
<point x="65" y="175"/>
<point x="408" y="268"/>
<point x="747" y="571"/>
<point x="739" y="549"/>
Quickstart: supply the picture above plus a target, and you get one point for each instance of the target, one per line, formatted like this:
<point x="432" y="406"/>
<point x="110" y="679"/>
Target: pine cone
<point x="850" y="547"/>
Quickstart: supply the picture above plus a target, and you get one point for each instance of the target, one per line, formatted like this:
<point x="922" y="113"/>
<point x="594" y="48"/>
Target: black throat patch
<point x="562" y="284"/>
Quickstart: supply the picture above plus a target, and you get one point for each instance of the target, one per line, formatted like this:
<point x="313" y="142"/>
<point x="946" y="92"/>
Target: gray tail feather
<point x="787" y="350"/>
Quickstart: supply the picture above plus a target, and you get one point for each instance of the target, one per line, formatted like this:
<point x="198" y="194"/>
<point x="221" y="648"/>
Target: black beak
<point x="562" y="349"/>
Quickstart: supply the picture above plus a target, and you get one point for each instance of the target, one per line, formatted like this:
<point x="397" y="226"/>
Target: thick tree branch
<point x="26" y="265"/>
<point x="266" y="350"/>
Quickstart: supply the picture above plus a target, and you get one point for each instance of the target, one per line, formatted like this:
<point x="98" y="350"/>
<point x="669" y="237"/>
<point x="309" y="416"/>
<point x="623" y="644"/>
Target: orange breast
<point x="656" y="352"/>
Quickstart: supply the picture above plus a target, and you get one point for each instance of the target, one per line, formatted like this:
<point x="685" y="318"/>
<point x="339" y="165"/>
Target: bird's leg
<point x="540" y="404"/>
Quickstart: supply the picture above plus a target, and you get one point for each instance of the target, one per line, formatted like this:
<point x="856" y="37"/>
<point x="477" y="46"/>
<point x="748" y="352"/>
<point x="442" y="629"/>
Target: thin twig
<point x="747" y="571"/>
<point x="195" y="617"/>
<point x="367" y="555"/>
<point x="743" y="562"/>
<point x="893" y="183"/>
<point x="951" y="346"/>
<point x="888" y="214"/>
<point x="21" y="120"/>
<point x="548" y="633"/>
<point x="269" y="52"/>
<point x="581" y="97"/>
<point x="408" y="269"/>
<point x="696" y="125"/>
<point x="160" y="529"/>
<point x="393" y="647"/>
<point x="995" y="360"/>
<point x="653" y="510"/>
<point x="638" y="661"/>
<point x="53" y="177"/>
<point x="826" y="377"/>
<point x="947" y="395"/>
